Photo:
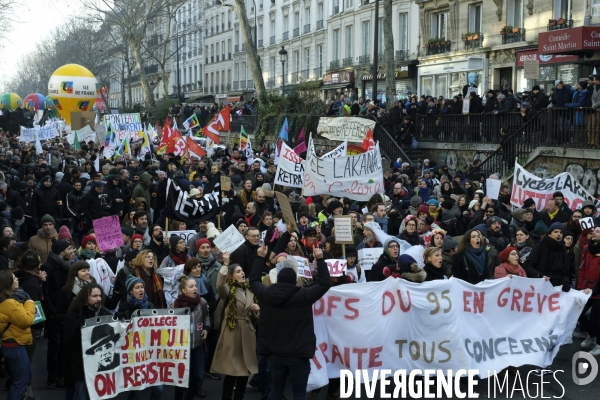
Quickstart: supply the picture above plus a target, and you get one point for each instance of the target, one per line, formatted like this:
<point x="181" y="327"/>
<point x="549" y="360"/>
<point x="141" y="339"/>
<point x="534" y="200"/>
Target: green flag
<point x="76" y="144"/>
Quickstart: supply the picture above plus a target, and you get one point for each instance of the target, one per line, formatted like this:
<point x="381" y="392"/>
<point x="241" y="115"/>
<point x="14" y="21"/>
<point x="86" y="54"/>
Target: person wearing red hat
<point x="137" y="241"/>
<point x="88" y="249"/>
<point x="509" y="257"/>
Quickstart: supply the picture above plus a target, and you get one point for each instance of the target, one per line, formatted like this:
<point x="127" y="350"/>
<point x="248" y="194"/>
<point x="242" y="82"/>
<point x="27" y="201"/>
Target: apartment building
<point x="218" y="52"/>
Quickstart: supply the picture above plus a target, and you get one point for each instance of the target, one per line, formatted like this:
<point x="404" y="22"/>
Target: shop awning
<point x="233" y="99"/>
<point x="338" y="86"/>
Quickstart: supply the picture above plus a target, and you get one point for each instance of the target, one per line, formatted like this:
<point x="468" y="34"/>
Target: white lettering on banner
<point x="336" y="267"/>
<point x="125" y="125"/>
<point x="369" y="256"/>
<point x="352" y="129"/>
<point x="133" y="355"/>
<point x="303" y="267"/>
<point x="290" y="168"/>
<point x="443" y="325"/>
<point x="356" y="177"/>
<point x="338" y="151"/>
<point x="526" y="185"/>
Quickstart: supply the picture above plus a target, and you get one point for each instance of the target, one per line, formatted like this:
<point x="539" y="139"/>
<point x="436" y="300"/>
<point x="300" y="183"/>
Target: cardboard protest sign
<point x="225" y="183"/>
<point x="343" y="229"/>
<point x="150" y="350"/>
<point x="303" y="267"/>
<point x="125" y="125"/>
<point x="290" y="168"/>
<point x="356" y="177"/>
<point x="79" y="119"/>
<point x="369" y="256"/>
<point x="286" y="209"/>
<point x="108" y="233"/>
<point x="403" y="320"/>
<point x="86" y="134"/>
<point x="336" y="267"/>
<point x="229" y="240"/>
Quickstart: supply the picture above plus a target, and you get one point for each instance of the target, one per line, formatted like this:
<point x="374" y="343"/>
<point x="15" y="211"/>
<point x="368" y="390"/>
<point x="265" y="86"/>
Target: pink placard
<point x="108" y="233"/>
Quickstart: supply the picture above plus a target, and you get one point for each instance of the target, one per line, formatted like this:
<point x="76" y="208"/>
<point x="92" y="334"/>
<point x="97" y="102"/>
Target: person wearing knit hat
<point x="212" y="231"/>
<point x="47" y="219"/>
<point x="353" y="271"/>
<point x="64" y="233"/>
<point x="529" y="203"/>
<point x="335" y="208"/>
<point x="42" y="241"/>
<point x="510" y="266"/>
<point x="415" y="202"/>
<point x="556" y="226"/>
<point x="202" y="241"/>
<point x="449" y="244"/>
<point x="137" y="242"/>
<point x="89" y="248"/>
<point x="127" y="231"/>
<point x="423" y="209"/>
<point x="131" y="281"/>
<point x="472" y="204"/>
<point x="61" y="248"/>
<point x="178" y="253"/>
<point x="406" y="268"/>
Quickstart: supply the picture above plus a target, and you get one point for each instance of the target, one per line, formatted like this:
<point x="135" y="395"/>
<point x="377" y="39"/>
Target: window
<point x="320" y="11"/>
<point x="403" y="36"/>
<point x="562" y="9"/>
<point x="474" y="18"/>
<point x="348" y="4"/>
<point x="307" y="58"/>
<point x="297" y="60"/>
<point x="272" y="67"/>
<point x="297" y="20"/>
<point x="366" y="36"/>
<point x="260" y="32"/>
<point x="306" y="16"/>
<point x="272" y="28"/>
<point x="439" y="25"/>
<point x="336" y="44"/>
<point x="236" y="71"/>
<point x="515" y="13"/>
<point x="320" y="56"/>
<point x="349" y="41"/>
<point x="595" y="7"/>
<point x="285" y="24"/>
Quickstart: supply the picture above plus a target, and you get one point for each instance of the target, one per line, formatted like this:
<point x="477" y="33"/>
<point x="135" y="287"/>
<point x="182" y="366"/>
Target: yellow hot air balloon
<point x="72" y="88"/>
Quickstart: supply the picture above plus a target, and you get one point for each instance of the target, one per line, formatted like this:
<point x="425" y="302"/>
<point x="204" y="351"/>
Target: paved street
<point x="213" y="388"/>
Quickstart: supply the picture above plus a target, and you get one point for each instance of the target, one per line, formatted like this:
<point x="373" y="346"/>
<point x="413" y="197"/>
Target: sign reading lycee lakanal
<point x="108" y="233"/>
<point x="149" y="350"/>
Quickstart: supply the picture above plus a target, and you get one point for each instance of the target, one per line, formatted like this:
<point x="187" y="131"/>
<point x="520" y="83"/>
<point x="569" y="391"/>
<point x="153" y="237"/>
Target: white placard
<point x="343" y="229"/>
<point x="352" y="129"/>
<point x="369" y="256"/>
<point x="303" y="267"/>
<point x="338" y="151"/>
<point x="587" y="222"/>
<point x="336" y="267"/>
<point x="290" y="168"/>
<point x="492" y="188"/>
<point x="229" y="240"/>
<point x="186" y="235"/>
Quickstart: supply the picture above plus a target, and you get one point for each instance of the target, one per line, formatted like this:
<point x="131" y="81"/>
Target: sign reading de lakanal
<point x="150" y="350"/>
<point x="108" y="233"/>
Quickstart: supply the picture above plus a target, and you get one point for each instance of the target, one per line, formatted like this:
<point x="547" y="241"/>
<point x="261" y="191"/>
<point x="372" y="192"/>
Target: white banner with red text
<point x="527" y="185"/>
<point x="150" y="350"/>
<point x="444" y="324"/>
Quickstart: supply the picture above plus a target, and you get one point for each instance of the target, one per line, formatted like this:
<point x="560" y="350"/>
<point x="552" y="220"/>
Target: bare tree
<point x="388" y="46"/>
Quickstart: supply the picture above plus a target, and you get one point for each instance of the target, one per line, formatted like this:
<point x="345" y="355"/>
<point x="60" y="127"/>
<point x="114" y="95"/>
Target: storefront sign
<point x="569" y="40"/>
<point x="524" y="55"/>
<point x="335" y="78"/>
<point x="452" y="66"/>
<point x="399" y="73"/>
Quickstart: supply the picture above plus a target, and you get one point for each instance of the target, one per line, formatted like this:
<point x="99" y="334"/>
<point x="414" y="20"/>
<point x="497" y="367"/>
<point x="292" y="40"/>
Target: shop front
<point x="404" y="81"/>
<point x="552" y="67"/>
<point x="448" y="78"/>
<point x="336" y="83"/>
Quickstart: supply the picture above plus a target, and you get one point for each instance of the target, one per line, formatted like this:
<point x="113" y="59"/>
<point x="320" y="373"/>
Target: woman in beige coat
<point x="235" y="355"/>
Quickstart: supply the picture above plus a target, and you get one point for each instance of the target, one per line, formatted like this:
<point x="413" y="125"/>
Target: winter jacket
<point x="596" y="98"/>
<point x="549" y="258"/>
<point x="286" y="326"/>
<point x="114" y="193"/>
<point x="42" y="243"/>
<point x="142" y="188"/>
<point x="244" y="255"/>
<point x="560" y="97"/>
<point x="74" y="202"/>
<point x="20" y="316"/>
<point x="463" y="268"/>
<point x="46" y="201"/>
<point x="589" y="273"/>
<point x="578" y="99"/>
<point x="93" y="204"/>
<point x="56" y="277"/>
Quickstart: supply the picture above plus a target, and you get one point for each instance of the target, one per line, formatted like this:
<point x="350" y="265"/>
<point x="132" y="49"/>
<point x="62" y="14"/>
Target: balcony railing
<point x="294" y="77"/>
<point x="319" y="24"/>
<point x="260" y="43"/>
<point x="560" y="24"/>
<point x="514" y="37"/>
<point x="306" y="28"/>
<point x="334" y="64"/>
<point x="285" y="35"/>
<point x="296" y="32"/>
<point x="236" y="85"/>
<point x="271" y="82"/>
<point x="304" y="74"/>
<point x="318" y="73"/>
<point x="272" y="40"/>
<point x="402" y="55"/>
<point x="347" y="61"/>
<point x="237" y="48"/>
<point x="364" y="59"/>
<point x="438" y="48"/>
<point x="473" y="43"/>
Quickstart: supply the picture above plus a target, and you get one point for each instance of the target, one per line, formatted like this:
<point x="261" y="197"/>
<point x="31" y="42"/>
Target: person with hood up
<point x="406" y="268"/>
<point x="277" y="324"/>
<point x="142" y="189"/>
<point x="549" y="259"/>
<point x="114" y="193"/>
<point x="388" y="259"/>
<point x="369" y="239"/>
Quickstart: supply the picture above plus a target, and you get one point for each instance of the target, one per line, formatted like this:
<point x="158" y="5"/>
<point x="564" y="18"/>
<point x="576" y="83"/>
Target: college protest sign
<point x="352" y="129"/>
<point x="290" y="169"/>
<point x="356" y="177"/>
<point x="125" y="125"/>
<point x="526" y="185"/>
<point x="443" y="324"/>
<point x="150" y="350"/>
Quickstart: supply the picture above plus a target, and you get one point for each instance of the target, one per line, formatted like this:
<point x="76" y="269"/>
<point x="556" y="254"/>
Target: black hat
<point x="528" y="203"/>
<point x="131" y="254"/>
<point x="535" y="87"/>
<point x="310" y="232"/>
<point x="351" y="251"/>
<point x="335" y="204"/>
<point x="102" y="334"/>
<point x="583" y="84"/>
<point x="303" y="214"/>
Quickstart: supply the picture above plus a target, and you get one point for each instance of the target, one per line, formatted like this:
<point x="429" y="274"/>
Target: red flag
<point x="220" y="122"/>
<point x="166" y="137"/>
<point x="194" y="148"/>
<point x="177" y="144"/>
<point x="368" y="142"/>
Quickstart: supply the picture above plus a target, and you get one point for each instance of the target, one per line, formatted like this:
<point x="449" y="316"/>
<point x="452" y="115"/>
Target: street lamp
<point x="283" y="58"/>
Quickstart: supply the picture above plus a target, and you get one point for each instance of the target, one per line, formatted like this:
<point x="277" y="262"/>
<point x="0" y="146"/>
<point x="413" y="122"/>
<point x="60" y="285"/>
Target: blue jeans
<point x="156" y="394"/>
<point x="197" y="356"/>
<point x="20" y="370"/>
<point x="297" y="368"/>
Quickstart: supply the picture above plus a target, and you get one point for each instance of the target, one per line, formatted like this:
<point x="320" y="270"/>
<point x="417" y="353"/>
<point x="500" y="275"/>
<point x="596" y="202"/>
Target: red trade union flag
<point x="194" y="148"/>
<point x="220" y="122"/>
<point x="368" y="142"/>
<point x="177" y="144"/>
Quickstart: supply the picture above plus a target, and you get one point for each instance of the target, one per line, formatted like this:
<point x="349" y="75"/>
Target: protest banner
<point x="125" y="125"/>
<point x="150" y="350"/>
<point x="86" y="134"/>
<point x="492" y="188"/>
<point x="303" y="267"/>
<point x="47" y="132"/>
<point x="356" y="177"/>
<point x="186" y="235"/>
<point x="290" y="168"/>
<point x="229" y="240"/>
<point x="443" y="324"/>
<point x="286" y="209"/>
<point x="368" y="256"/>
<point x="352" y="129"/>
<point x="28" y="134"/>
<point x="526" y="185"/>
<point x="108" y="233"/>
<point x="336" y="267"/>
<point x="338" y="151"/>
<point x="343" y="229"/>
<point x="170" y="275"/>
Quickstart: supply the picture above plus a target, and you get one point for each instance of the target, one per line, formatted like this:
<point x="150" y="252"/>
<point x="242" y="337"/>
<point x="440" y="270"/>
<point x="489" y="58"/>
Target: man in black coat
<point x="553" y="213"/>
<point x="46" y="200"/>
<point x="549" y="259"/>
<point x="246" y="253"/>
<point x="389" y="258"/>
<point x="286" y="329"/>
<point x="115" y="195"/>
<point x="95" y="202"/>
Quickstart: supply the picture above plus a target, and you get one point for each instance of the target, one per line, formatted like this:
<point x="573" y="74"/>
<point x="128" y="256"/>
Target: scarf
<point x="86" y="254"/>
<point x="20" y="295"/>
<point x="202" y="283"/>
<point x="158" y="287"/>
<point x="424" y="194"/>
<point x="477" y="257"/>
<point x="231" y="308"/>
<point x="178" y="258"/>
<point x="186" y="301"/>
<point x="136" y="303"/>
<point x="514" y="269"/>
<point x="411" y="238"/>
<point x="78" y="285"/>
<point x="583" y="241"/>
<point x="383" y="222"/>
<point x="594" y="248"/>
<point x="307" y="246"/>
<point x="208" y="262"/>
<point x="552" y="215"/>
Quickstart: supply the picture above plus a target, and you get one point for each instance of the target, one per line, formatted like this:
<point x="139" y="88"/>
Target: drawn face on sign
<point x="105" y="354"/>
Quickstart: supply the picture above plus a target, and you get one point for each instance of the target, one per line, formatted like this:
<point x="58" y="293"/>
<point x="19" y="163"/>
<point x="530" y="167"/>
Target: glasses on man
<point x="393" y="246"/>
<point x="253" y="236"/>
